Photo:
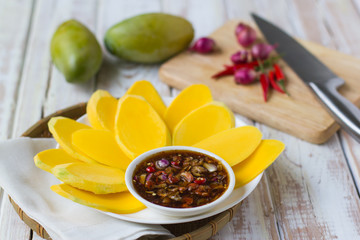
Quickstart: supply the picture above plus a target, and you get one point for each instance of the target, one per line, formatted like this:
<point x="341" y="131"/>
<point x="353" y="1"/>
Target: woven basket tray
<point x="197" y="230"/>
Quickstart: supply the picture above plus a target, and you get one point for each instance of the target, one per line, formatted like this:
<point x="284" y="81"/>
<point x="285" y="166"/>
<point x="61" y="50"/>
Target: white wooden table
<point x="310" y="192"/>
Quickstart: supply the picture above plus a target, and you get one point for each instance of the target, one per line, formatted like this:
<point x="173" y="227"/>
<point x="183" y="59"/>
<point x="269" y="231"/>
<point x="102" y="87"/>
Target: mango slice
<point x="188" y="100"/>
<point x="233" y="145"/>
<point x="101" y="110"/>
<point x="138" y="127"/>
<point x="146" y="90"/>
<point x="50" y="158"/>
<point x="258" y="161"/>
<point x="202" y="123"/>
<point x="62" y="129"/>
<point x="101" y="146"/>
<point x="91" y="177"/>
<point x="121" y="203"/>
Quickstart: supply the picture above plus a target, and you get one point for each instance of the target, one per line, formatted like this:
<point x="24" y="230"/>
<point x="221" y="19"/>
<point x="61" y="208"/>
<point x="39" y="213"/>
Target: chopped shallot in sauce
<point x="180" y="179"/>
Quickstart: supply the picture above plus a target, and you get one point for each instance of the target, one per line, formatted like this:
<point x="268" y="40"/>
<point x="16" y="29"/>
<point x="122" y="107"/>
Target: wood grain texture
<point x="59" y="93"/>
<point x="321" y="188"/>
<point x="334" y="23"/>
<point x="300" y="114"/>
<point x="15" y="22"/>
<point x="34" y="81"/>
<point x="345" y="38"/>
<point x="13" y="43"/>
<point x="12" y="227"/>
<point x="309" y="193"/>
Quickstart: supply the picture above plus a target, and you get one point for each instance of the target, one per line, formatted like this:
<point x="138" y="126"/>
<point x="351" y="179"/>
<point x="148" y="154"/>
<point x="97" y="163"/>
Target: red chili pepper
<point x="150" y="169"/>
<point x="200" y="180"/>
<point x="174" y="163"/>
<point x="226" y="72"/>
<point x="278" y="72"/>
<point x="264" y="80"/>
<point x="273" y="82"/>
<point x="280" y="77"/>
<point x="248" y="65"/>
<point x="230" y="70"/>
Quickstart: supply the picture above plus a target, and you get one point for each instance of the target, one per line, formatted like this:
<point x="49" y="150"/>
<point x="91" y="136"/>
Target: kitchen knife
<point x="321" y="80"/>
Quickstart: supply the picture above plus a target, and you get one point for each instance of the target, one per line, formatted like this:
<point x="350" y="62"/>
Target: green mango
<point x="75" y="52"/>
<point x="149" y="38"/>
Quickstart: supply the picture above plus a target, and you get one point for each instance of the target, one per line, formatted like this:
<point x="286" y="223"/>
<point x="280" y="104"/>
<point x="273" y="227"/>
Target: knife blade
<point x="320" y="79"/>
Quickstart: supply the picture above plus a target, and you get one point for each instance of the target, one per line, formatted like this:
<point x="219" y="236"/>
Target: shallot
<point x="239" y="28"/>
<point x="246" y="36"/>
<point x="261" y="50"/>
<point x="149" y="176"/>
<point x="162" y="163"/>
<point x="210" y="167"/>
<point x="239" y="57"/>
<point x="245" y="76"/>
<point x="203" y="45"/>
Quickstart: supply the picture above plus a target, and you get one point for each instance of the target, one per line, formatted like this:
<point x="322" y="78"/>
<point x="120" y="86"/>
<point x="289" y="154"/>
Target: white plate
<point x="149" y="216"/>
<point x="152" y="217"/>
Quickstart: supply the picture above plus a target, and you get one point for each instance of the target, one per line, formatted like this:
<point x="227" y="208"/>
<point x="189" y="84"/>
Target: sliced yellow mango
<point x="202" y="123"/>
<point x="146" y="90"/>
<point x="101" y="146"/>
<point x="258" y="161"/>
<point x="188" y="100"/>
<point x="101" y="110"/>
<point x="138" y="127"/>
<point x="233" y="145"/>
<point x="95" y="178"/>
<point x="62" y="129"/>
<point x="50" y="158"/>
<point x="121" y="203"/>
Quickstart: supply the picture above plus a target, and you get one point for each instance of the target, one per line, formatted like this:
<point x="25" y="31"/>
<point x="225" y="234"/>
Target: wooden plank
<point x="338" y="19"/>
<point x="34" y="79"/>
<point x="11" y="226"/>
<point x="339" y="14"/>
<point x="211" y="16"/>
<point x="313" y="192"/>
<point x="351" y="149"/>
<point x="343" y="20"/>
<point x="311" y="20"/>
<point x="13" y="42"/>
<point x="255" y="219"/>
<point x="116" y="75"/>
<point x="61" y="94"/>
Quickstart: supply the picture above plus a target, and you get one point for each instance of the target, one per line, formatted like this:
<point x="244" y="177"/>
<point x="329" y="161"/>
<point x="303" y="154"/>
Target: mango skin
<point x="75" y="52"/>
<point x="149" y="38"/>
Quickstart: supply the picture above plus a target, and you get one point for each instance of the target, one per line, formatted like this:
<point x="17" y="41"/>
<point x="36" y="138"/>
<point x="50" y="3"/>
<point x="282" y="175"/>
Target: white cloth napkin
<point x="63" y="219"/>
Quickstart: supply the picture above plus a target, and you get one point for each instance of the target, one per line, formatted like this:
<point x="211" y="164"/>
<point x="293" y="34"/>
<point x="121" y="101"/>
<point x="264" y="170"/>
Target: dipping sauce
<point x="180" y="179"/>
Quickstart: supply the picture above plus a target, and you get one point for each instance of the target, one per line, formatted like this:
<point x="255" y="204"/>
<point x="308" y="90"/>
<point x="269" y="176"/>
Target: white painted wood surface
<point x="310" y="192"/>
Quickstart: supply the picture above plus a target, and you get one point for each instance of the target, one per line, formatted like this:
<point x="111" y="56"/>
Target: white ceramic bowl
<point x="182" y="212"/>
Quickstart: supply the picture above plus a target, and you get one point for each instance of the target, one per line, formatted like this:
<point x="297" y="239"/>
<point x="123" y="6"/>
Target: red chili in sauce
<point x="182" y="179"/>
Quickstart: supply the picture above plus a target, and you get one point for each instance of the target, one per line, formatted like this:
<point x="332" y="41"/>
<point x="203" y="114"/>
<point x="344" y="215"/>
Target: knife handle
<point x="342" y="110"/>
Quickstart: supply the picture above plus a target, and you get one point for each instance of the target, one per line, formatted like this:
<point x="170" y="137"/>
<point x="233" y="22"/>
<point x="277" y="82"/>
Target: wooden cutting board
<point x="299" y="114"/>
